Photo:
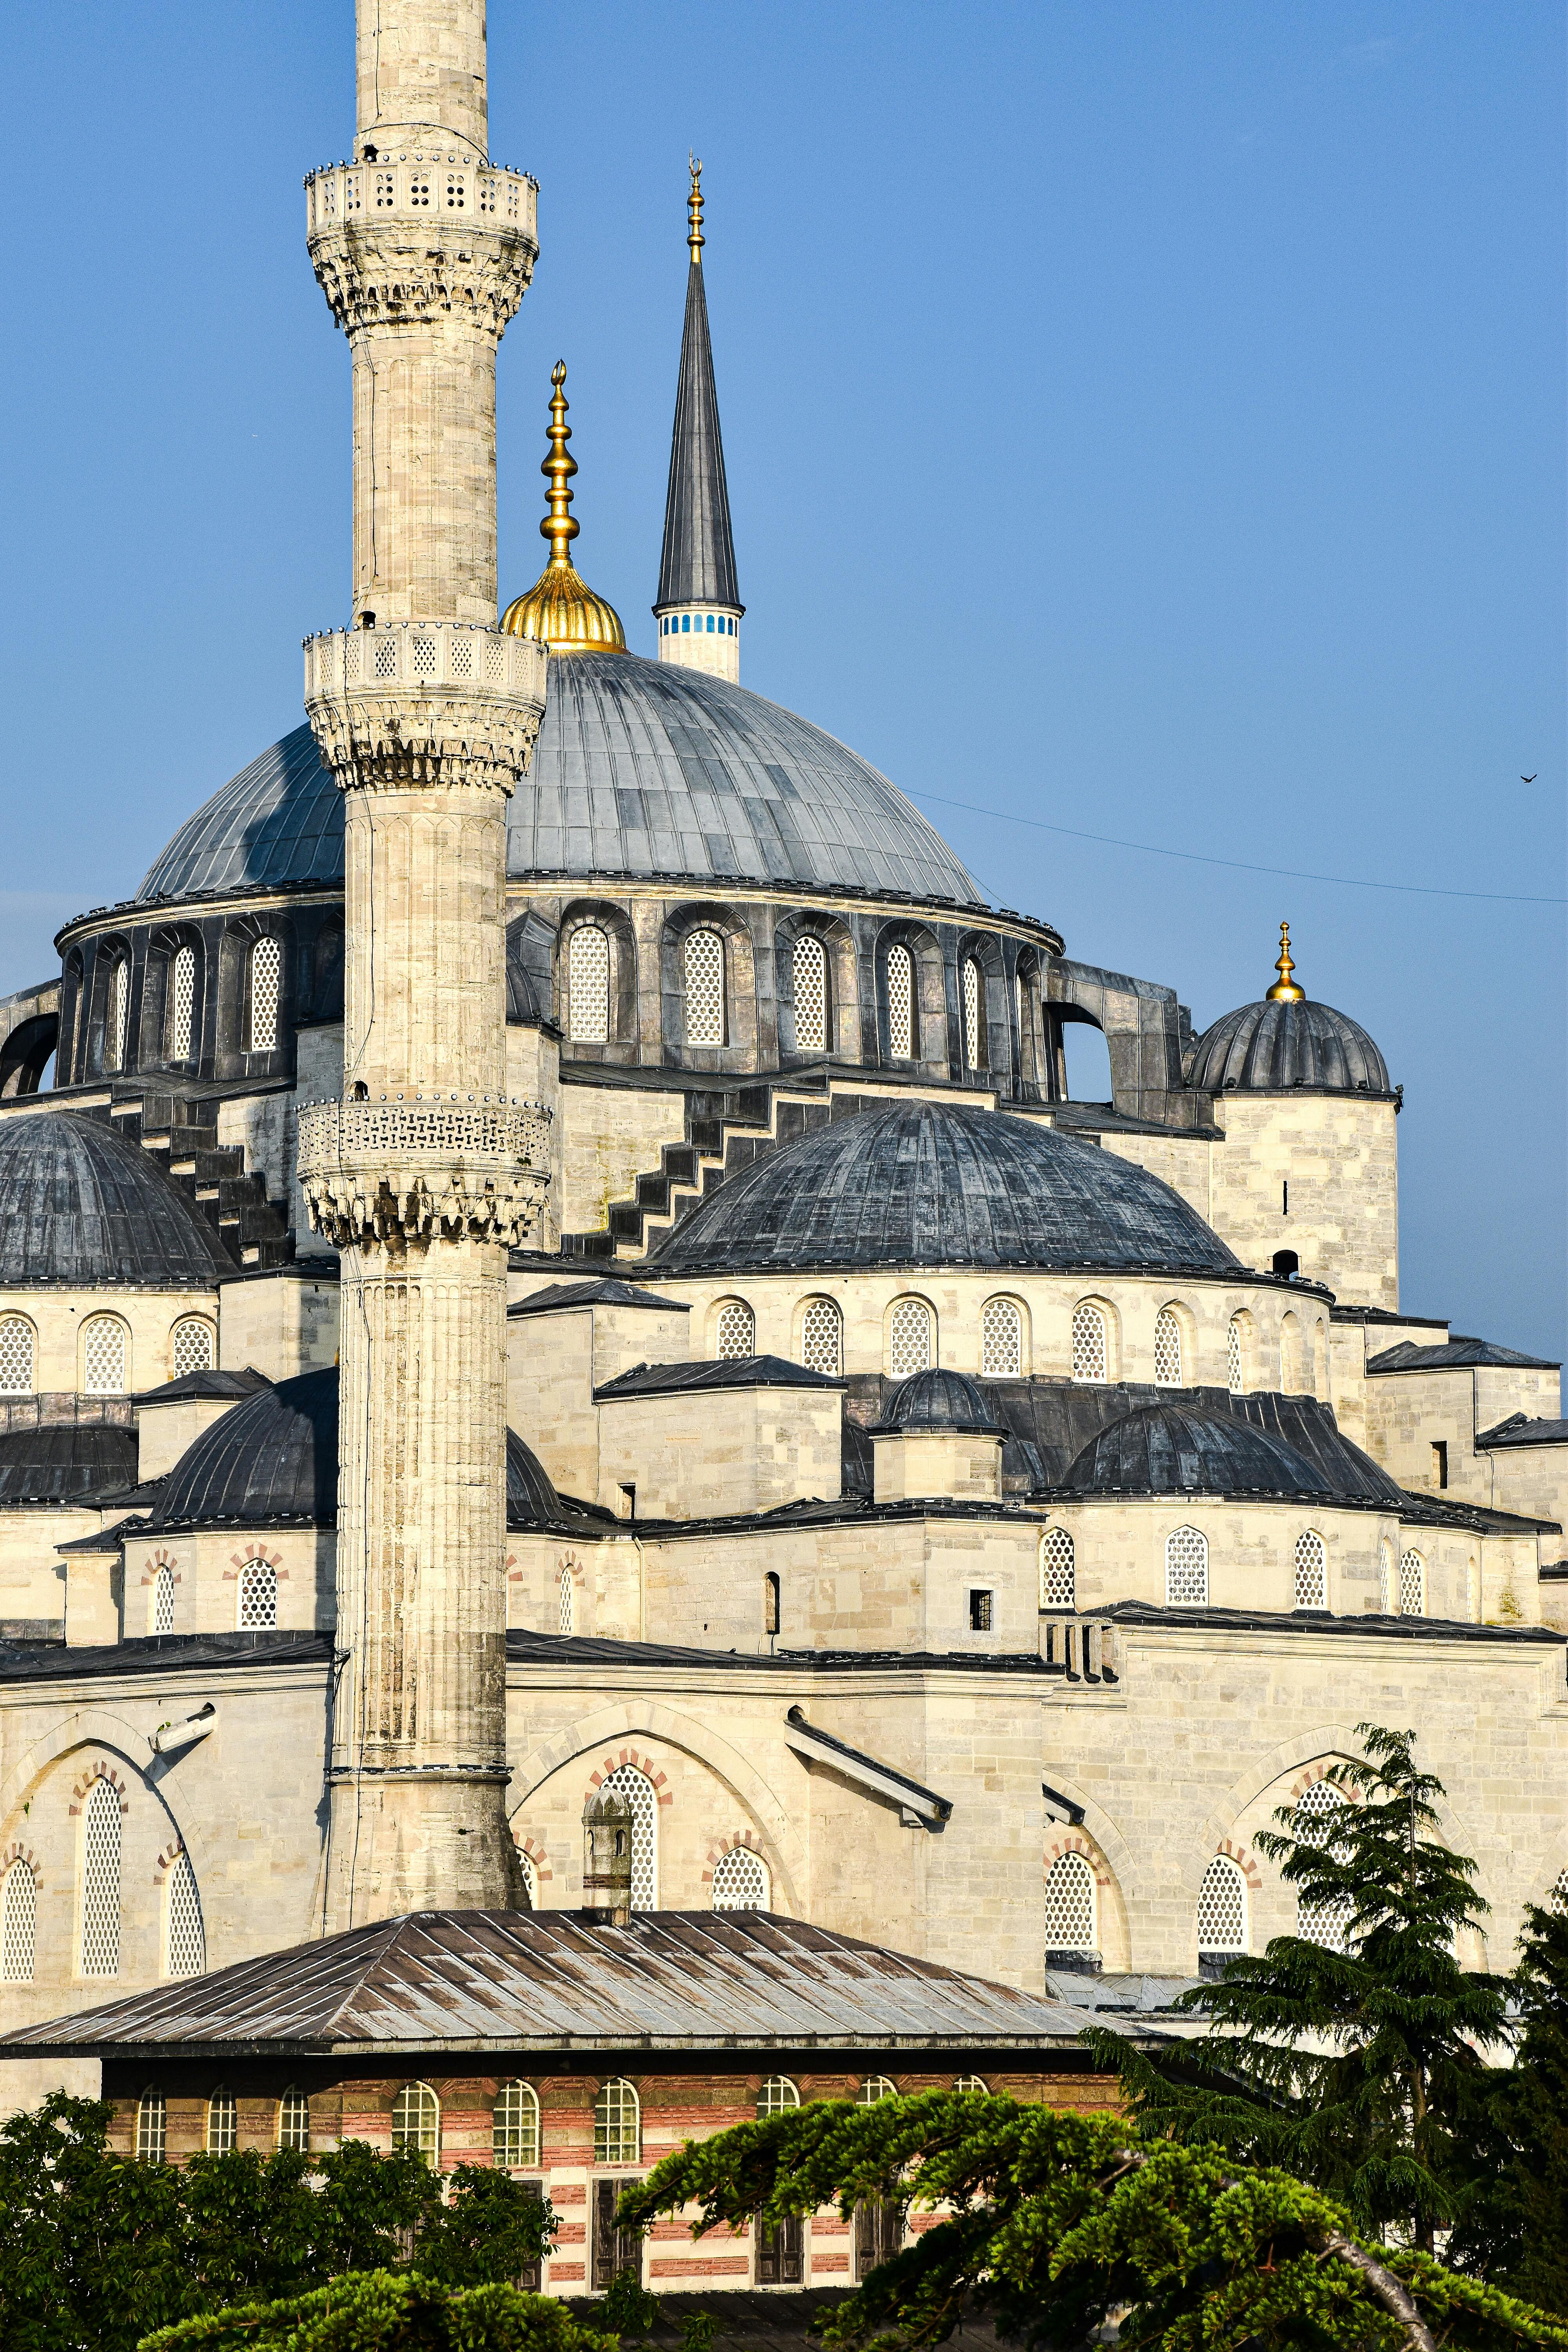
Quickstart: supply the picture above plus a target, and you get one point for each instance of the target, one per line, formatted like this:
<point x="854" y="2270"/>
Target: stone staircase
<point x="180" y="1132"/>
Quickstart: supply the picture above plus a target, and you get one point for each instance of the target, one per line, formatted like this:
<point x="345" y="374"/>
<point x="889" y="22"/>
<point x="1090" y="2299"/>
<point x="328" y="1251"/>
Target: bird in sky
<point x="1528" y="780"/>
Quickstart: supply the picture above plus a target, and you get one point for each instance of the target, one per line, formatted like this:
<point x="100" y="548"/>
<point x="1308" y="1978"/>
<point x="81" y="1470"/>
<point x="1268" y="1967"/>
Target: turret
<point x="698" y="607"/>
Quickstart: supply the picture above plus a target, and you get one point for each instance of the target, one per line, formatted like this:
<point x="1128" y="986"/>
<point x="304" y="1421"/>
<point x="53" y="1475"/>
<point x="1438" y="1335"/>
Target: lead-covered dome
<point x="1306" y="1047"/>
<point x="65" y="1461"/>
<point x="1168" y="1449"/>
<point x="936" y="1184"/>
<point x="270" y="1462"/>
<point x="939" y="1400"/>
<point x="84" y="1209"/>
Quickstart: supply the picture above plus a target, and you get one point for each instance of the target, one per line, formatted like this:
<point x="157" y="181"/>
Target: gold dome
<point x="560" y="608"/>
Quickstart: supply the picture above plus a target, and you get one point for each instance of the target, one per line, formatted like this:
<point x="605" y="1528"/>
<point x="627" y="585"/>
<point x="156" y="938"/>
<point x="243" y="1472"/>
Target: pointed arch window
<point x="1326" y="1922"/>
<point x="704" y="960"/>
<point x="18" y="1342"/>
<point x="514" y="2127"/>
<point x="191" y="1345"/>
<point x="1072" y="1907"/>
<point x="118" y="1026"/>
<point x="1312" y="1571"/>
<point x="181" y="1003"/>
<point x="810" y="967"/>
<point x="18" y="1923"/>
<point x="1221" y="1909"/>
<point x="1411" y="1584"/>
<point x="973" y="1005"/>
<point x="900" y="1004"/>
<point x="294" y="2121"/>
<point x="734" y="1331"/>
<point x="588" y="985"/>
<point x="417" y="2123"/>
<point x="910" y="1347"/>
<point x="152" y="2127"/>
<point x="822" y="1336"/>
<point x="1090" y="1354"/>
<point x="1059" y="1571"/>
<point x="1168" y="1349"/>
<point x="1186" y="1568"/>
<point x="258" y="1595"/>
<point x="1002" y="1340"/>
<point x="566" y="1599"/>
<point x="265" y="989"/>
<point x="617" y="2124"/>
<point x="1236" y="1355"/>
<point x="639" y="1790"/>
<point x="160" y="1602"/>
<point x="101" y="1881"/>
<point x="741" y="1882"/>
<point x="186" y="1943"/>
<point x="104" y="1353"/>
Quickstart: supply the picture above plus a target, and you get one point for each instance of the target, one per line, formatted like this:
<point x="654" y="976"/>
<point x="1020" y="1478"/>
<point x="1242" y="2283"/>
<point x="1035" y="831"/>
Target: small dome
<point x="1270" y="1049"/>
<point x="1164" y="1449"/>
<point x="532" y="1500"/>
<point x="934" y="1183"/>
<point x="84" y="1209"/>
<point x="939" y="1400"/>
<point x="65" y="1461"/>
<point x="270" y="1461"/>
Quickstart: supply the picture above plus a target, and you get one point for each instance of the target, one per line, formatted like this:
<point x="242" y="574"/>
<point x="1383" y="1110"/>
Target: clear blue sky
<point x="1140" y="419"/>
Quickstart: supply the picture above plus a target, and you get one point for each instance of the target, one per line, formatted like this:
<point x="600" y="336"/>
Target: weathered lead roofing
<point x="1455" y="1355"/>
<point x="1168" y="1449"/>
<point x="472" y="1981"/>
<point x="1275" y="1048"/>
<point x="65" y="1461"/>
<point x="698" y="566"/>
<point x="610" y="1292"/>
<point x="722" y="1372"/>
<point x="205" y="1386"/>
<point x="1519" y="1430"/>
<point x="940" y="1400"/>
<point x="280" y="820"/>
<point x="84" y="1209"/>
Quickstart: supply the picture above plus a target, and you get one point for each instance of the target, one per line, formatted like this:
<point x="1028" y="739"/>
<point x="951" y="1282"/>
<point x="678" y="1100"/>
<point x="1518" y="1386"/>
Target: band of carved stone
<point x="422" y="1170"/>
<point x="424" y="702"/>
<point x="408" y="241"/>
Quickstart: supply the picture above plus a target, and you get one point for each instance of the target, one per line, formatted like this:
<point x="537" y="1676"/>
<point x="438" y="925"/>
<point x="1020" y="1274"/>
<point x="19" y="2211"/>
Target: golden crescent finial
<point x="694" y="238"/>
<point x="1285" y="991"/>
<point x="559" y="527"/>
<point x="560" y="610"/>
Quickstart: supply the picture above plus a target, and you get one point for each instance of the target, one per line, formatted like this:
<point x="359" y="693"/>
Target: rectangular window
<point x="980" y="1612"/>
<point x="1440" y="1463"/>
<point x="879" y="2233"/>
<point x="781" y="2252"/>
<point x="614" y="2248"/>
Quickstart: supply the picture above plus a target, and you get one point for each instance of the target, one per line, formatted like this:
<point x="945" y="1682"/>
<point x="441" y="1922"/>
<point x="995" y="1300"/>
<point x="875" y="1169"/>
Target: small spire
<point x="560" y="609"/>
<point x="1285" y="991"/>
<point x="695" y="240"/>
<point x="559" y="527"/>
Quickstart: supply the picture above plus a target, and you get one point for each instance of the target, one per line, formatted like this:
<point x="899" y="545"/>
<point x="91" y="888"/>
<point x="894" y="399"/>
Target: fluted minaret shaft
<point x="425" y="1173"/>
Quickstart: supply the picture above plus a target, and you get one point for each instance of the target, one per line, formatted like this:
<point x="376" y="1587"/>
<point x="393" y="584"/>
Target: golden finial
<point x="1285" y="991"/>
<point x="695" y="239"/>
<point x="560" y="609"/>
<point x="559" y="527"/>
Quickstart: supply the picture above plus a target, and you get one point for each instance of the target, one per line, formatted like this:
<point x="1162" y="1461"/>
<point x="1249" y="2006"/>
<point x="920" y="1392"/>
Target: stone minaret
<point x="699" y="609"/>
<point x="425" y="1171"/>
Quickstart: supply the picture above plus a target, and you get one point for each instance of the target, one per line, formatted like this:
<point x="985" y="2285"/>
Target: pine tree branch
<point x="1394" y="2296"/>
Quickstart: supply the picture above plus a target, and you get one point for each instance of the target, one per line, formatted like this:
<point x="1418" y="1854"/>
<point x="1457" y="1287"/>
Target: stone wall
<point x="281" y="1322"/>
<point x="1339" y="1156"/>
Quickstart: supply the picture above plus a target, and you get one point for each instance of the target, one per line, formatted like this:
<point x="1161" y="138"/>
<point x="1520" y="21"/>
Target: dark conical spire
<point x="699" y="566"/>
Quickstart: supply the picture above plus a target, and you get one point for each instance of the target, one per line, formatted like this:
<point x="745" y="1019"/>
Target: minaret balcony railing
<point x="425" y="702"/>
<point x="423" y="1166"/>
<point x="424" y="657"/>
<point x="434" y="191"/>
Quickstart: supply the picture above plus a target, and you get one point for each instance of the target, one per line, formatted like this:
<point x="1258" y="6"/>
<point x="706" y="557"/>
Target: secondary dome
<point x="83" y="1208"/>
<point x="1164" y="1449"/>
<point x="939" y="1400"/>
<point x="271" y="1461"/>
<point x="1285" y="1043"/>
<point x="929" y="1183"/>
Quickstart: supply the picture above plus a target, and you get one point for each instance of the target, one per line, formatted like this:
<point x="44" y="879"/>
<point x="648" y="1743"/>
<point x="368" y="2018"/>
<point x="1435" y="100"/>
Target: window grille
<point x="1235" y="1366"/>
<point x="981" y="1609"/>
<point x="900" y="1004"/>
<point x="566" y="1601"/>
<point x="294" y="2121"/>
<point x="874" y="2090"/>
<point x="223" y="2124"/>
<point x="734" y="1331"/>
<point x="1168" y="1350"/>
<point x="909" y="1339"/>
<point x="822" y="1336"/>
<point x="515" y="2127"/>
<point x="152" y="2127"/>
<point x="1070" y="1923"/>
<point x="258" y="1594"/>
<point x="181" y="1003"/>
<point x="639" y="1790"/>
<point x="974" y="2086"/>
<point x="1560" y="1887"/>
<point x="118" y="1011"/>
<point x="1002" y="1340"/>
<point x="618" y="2125"/>
<point x="163" y="1609"/>
<point x="1089" y="1349"/>
<point x="417" y="2121"/>
<point x="1385" y="1576"/>
<point x="704" y="988"/>
<point x="810" y="997"/>
<point x="588" y="985"/>
<point x="18" y="1923"/>
<point x="15" y="1355"/>
<point x="529" y="1869"/>
<point x="266" y="981"/>
<point x="1321" y="1923"/>
<point x="1411" y="1584"/>
<point x="103" y="1356"/>
<point x="1187" y="1565"/>
<point x="1058" y="1577"/>
<point x="776" y="2096"/>
<point x="971" y="1005"/>
<point x="741" y="1882"/>
<point x="1222" y="1907"/>
<point x="193" y="1346"/>
<point x="100" y="1882"/>
<point x="1312" y="1571"/>
<point x="187" y="1943"/>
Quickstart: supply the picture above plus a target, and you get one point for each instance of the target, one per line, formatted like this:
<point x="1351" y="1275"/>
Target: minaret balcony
<point x="407" y="237"/>
<point x="438" y="702"/>
<point x="444" y="192"/>
<point x="423" y="1166"/>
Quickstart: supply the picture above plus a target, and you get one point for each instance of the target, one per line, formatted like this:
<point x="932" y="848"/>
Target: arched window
<point x="974" y="1003"/>
<point x="900" y="1004"/>
<point x="1312" y="1571"/>
<point x="258" y="1595"/>
<point x="266" y="984"/>
<point x="18" y="1923"/>
<point x="704" y="988"/>
<point x="152" y="2127"/>
<point x="810" y="961"/>
<point x="1411" y="1584"/>
<point x="741" y="1882"/>
<point x="588" y="986"/>
<point x="770" y="1602"/>
<point x="1002" y="1340"/>
<point x="417" y="2123"/>
<point x="1325" y="1923"/>
<point x="191" y="1345"/>
<point x="186" y="1943"/>
<point x="910" y="1336"/>
<point x="1385" y="1580"/>
<point x="1091" y="1355"/>
<point x="103" y="1356"/>
<point x="1072" y="1925"/>
<point x="101" y="1881"/>
<point x="16" y="1342"/>
<point x="975" y="2086"/>
<point x="223" y="2124"/>
<point x="639" y="1790"/>
<point x="776" y="2096"/>
<point x="822" y="1336"/>
<point x="1168" y="1349"/>
<point x="117" y="1029"/>
<point x="566" y="1599"/>
<point x="1293" y="1356"/>
<point x="1222" y="1908"/>
<point x="1236" y="1355"/>
<point x="181" y="1003"/>
<point x="529" y="1869"/>
<point x="617" y="2124"/>
<point x="874" y="2090"/>
<point x="514" y="2127"/>
<point x="294" y="2121"/>
<point x="1187" y="1565"/>
<point x="1058" y="1577"/>
<point x="734" y="1331"/>
<point x="160" y="1602"/>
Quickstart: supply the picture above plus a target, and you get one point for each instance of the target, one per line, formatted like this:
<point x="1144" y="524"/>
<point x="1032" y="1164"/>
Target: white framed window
<point x="258" y="1595"/>
<point x="1385" y="1576"/>
<point x="776" y="2096"/>
<point x="617" y="2123"/>
<point x="105" y="1354"/>
<point x="741" y="1882"/>
<point x="1187" y="1567"/>
<point x="900" y="1004"/>
<point x="588" y="986"/>
<point x="223" y="2124"/>
<point x="822" y="1336"/>
<point x="118" y="1028"/>
<point x="1168" y="1349"/>
<point x="565" y="1600"/>
<point x="185" y="1938"/>
<point x="1002" y="1340"/>
<point x="974" y="1003"/>
<point x="1235" y="1356"/>
<point x="974" y="2086"/>
<point x="810" y="968"/>
<point x="1090" y="1354"/>
<point x="1059" y="1571"/>
<point x="417" y="2121"/>
<point x="160" y="1602"/>
<point x="181" y="1003"/>
<point x="191" y="1345"/>
<point x="294" y="2121"/>
<point x="1312" y="1571"/>
<point x="101" y="1881"/>
<point x="639" y="1792"/>
<point x="514" y="2127"/>
<point x="734" y="1331"/>
<point x="1411" y="1584"/>
<point x="1071" y="1906"/>
<point x="874" y="2090"/>
<point x="1222" y="1907"/>
<point x="265" y="989"/>
<point x="152" y="2127"/>
<point x="1321" y="1923"/>
<point x="18" y="1354"/>
<point x="911" y="1337"/>
<point x="704" y="959"/>
<point x="18" y="1923"/>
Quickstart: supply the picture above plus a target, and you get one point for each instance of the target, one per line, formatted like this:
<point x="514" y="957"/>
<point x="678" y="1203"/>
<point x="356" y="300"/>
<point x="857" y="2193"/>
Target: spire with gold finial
<point x="695" y="240"/>
<point x="560" y="608"/>
<point x="1285" y="991"/>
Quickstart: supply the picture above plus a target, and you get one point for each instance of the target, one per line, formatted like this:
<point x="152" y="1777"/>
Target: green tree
<point x="387" y="2310"/>
<point x="1357" y="2062"/>
<point x="1516" y="2222"/>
